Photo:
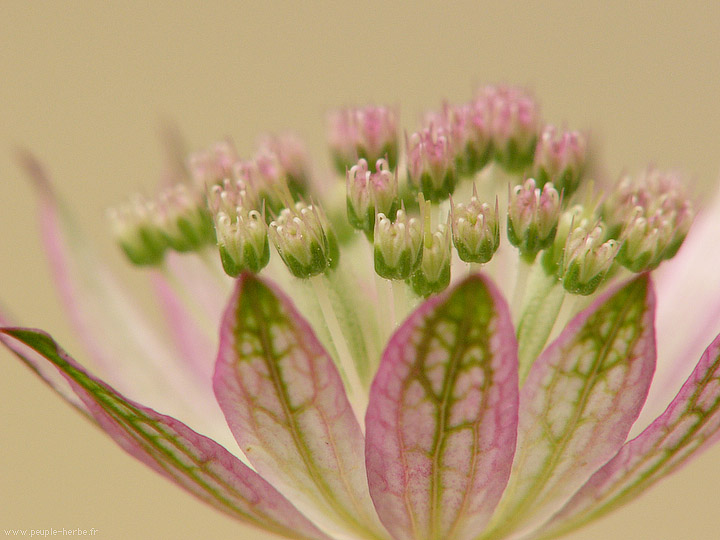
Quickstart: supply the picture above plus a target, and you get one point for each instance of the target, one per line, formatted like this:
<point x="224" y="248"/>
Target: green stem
<point x="383" y="287"/>
<point x="540" y="311"/>
<point x="523" y="271"/>
<point x="576" y="304"/>
<point x="344" y="357"/>
<point x="315" y="314"/>
<point x="355" y="321"/>
<point x="399" y="301"/>
<point x="474" y="268"/>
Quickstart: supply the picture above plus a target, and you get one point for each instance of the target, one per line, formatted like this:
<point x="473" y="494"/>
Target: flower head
<point x="177" y="219"/>
<point x="241" y="231"/>
<point x="560" y="159"/>
<point x="532" y="216"/>
<point x="398" y="245"/>
<point x="214" y="164"/>
<point x="586" y="259"/>
<point x="137" y="232"/>
<point x="265" y="177"/>
<point x="475" y="229"/>
<point x="422" y="407"/>
<point x="433" y="274"/>
<point x="292" y="158"/>
<point x="514" y="122"/>
<point x="304" y="240"/>
<point x="582" y="252"/>
<point x="183" y="218"/>
<point x="370" y="193"/>
<point x="368" y="132"/>
<point x="431" y="163"/>
<point x="651" y="216"/>
<point x="468" y="126"/>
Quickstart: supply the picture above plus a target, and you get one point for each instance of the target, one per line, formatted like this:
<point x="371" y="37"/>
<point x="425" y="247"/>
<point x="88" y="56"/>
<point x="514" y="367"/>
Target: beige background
<point x="86" y="85"/>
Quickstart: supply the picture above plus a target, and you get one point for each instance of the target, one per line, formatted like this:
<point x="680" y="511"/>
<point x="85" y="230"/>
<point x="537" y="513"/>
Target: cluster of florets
<point x="371" y="193"/>
<point x="135" y="228"/>
<point x="651" y="216"/>
<point x="468" y="130"/>
<point x="177" y="219"/>
<point x="398" y="245"/>
<point x="475" y="229"/>
<point x="304" y="240"/>
<point x="225" y="201"/>
<point x="369" y="133"/>
<point x="560" y="159"/>
<point x="582" y="252"/>
<point x="212" y="165"/>
<point x="532" y="217"/>
<point x="514" y="121"/>
<point x="431" y="163"/>
<point x="414" y="215"/>
<point x="501" y="123"/>
<point x="433" y="272"/>
<point x="240" y="228"/>
<point x="291" y="156"/>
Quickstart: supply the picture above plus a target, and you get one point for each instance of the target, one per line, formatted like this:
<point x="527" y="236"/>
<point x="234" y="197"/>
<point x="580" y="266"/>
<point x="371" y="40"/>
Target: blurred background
<point x="88" y="85"/>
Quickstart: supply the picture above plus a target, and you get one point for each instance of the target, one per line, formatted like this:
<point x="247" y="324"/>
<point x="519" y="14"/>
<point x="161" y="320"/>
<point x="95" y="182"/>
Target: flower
<point x="368" y="133"/>
<point x="560" y="158"/>
<point x="370" y="193"/>
<point x="532" y="217"/>
<point x="475" y="229"/>
<point x="431" y="163"/>
<point x="411" y="405"/>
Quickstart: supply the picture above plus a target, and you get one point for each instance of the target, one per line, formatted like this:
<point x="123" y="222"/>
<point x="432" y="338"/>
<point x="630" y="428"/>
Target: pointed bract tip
<point x="34" y="170"/>
<point x="174" y="148"/>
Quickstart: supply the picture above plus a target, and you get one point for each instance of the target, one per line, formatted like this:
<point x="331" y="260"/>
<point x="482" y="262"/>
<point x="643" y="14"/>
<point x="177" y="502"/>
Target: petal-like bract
<point x="112" y="327"/>
<point x="42" y="369"/>
<point x="688" y="314"/>
<point x="286" y="405"/>
<point x="578" y="404"/>
<point x="442" y="418"/>
<point x="688" y="426"/>
<point x="198" y="464"/>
